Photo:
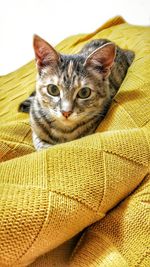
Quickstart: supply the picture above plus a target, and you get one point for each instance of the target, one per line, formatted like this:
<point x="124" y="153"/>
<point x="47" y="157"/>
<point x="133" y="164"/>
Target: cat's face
<point x="72" y="88"/>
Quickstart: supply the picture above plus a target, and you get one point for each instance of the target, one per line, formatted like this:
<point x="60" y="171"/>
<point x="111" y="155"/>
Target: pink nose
<point x="66" y="114"/>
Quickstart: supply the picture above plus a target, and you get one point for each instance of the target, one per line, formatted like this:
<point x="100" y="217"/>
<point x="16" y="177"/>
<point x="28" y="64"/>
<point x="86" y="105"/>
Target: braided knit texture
<point x="86" y="202"/>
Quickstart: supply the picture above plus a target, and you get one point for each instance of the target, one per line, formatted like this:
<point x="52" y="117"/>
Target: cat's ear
<point x="45" y="54"/>
<point x="102" y="59"/>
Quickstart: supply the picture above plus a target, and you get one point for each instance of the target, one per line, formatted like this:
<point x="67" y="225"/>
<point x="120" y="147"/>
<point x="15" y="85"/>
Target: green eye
<point x="85" y="92"/>
<point x="53" y="90"/>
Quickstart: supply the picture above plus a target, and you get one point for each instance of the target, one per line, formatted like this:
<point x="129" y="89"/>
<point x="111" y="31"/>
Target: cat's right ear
<point x="45" y="54"/>
<point x="102" y="59"/>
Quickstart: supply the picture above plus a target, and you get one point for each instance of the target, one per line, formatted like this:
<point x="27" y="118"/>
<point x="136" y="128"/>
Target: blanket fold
<point x="85" y="202"/>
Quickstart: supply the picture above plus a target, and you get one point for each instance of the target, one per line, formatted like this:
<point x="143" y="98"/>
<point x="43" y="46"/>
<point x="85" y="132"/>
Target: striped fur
<point x="71" y="73"/>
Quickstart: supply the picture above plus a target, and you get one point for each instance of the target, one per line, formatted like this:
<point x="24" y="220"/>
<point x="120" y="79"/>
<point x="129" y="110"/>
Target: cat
<point x="73" y="92"/>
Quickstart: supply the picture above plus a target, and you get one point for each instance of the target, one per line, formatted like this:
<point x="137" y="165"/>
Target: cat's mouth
<point x="68" y="120"/>
<point x="72" y="119"/>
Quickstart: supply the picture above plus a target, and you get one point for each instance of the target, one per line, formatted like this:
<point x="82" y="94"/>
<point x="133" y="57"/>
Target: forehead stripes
<point x="70" y="72"/>
<point x="70" y="69"/>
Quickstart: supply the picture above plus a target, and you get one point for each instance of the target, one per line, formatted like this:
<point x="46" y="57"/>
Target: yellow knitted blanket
<point x="83" y="203"/>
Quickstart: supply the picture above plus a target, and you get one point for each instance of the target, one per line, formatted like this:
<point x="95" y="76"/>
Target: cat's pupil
<point x="84" y="92"/>
<point x="53" y="90"/>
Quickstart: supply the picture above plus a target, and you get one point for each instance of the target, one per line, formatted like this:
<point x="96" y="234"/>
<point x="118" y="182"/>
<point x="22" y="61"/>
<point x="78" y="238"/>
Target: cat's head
<point x="72" y="87"/>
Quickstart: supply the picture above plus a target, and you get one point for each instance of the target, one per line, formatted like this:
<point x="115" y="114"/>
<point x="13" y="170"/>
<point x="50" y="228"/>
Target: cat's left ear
<point x="45" y="54"/>
<point x="102" y="59"/>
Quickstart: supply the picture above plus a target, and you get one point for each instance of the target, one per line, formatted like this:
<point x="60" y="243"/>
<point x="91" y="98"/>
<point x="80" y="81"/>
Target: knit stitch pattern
<point x="86" y="202"/>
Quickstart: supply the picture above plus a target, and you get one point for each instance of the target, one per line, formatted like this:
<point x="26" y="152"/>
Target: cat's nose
<point x="66" y="114"/>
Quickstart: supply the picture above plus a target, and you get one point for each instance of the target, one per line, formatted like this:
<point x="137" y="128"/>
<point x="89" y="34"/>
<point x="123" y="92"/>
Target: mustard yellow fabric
<point x="86" y="202"/>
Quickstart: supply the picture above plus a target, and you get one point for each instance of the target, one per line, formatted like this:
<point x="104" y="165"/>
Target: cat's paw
<point x="25" y="106"/>
<point x="43" y="146"/>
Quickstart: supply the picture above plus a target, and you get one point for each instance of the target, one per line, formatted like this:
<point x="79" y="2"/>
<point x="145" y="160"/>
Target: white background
<point x="54" y="20"/>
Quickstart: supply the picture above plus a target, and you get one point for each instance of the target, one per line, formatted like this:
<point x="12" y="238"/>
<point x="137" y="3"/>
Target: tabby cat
<point x="73" y="92"/>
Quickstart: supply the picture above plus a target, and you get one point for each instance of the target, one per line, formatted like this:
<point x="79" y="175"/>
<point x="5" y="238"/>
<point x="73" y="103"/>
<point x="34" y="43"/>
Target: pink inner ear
<point x="103" y="56"/>
<point x="44" y="52"/>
